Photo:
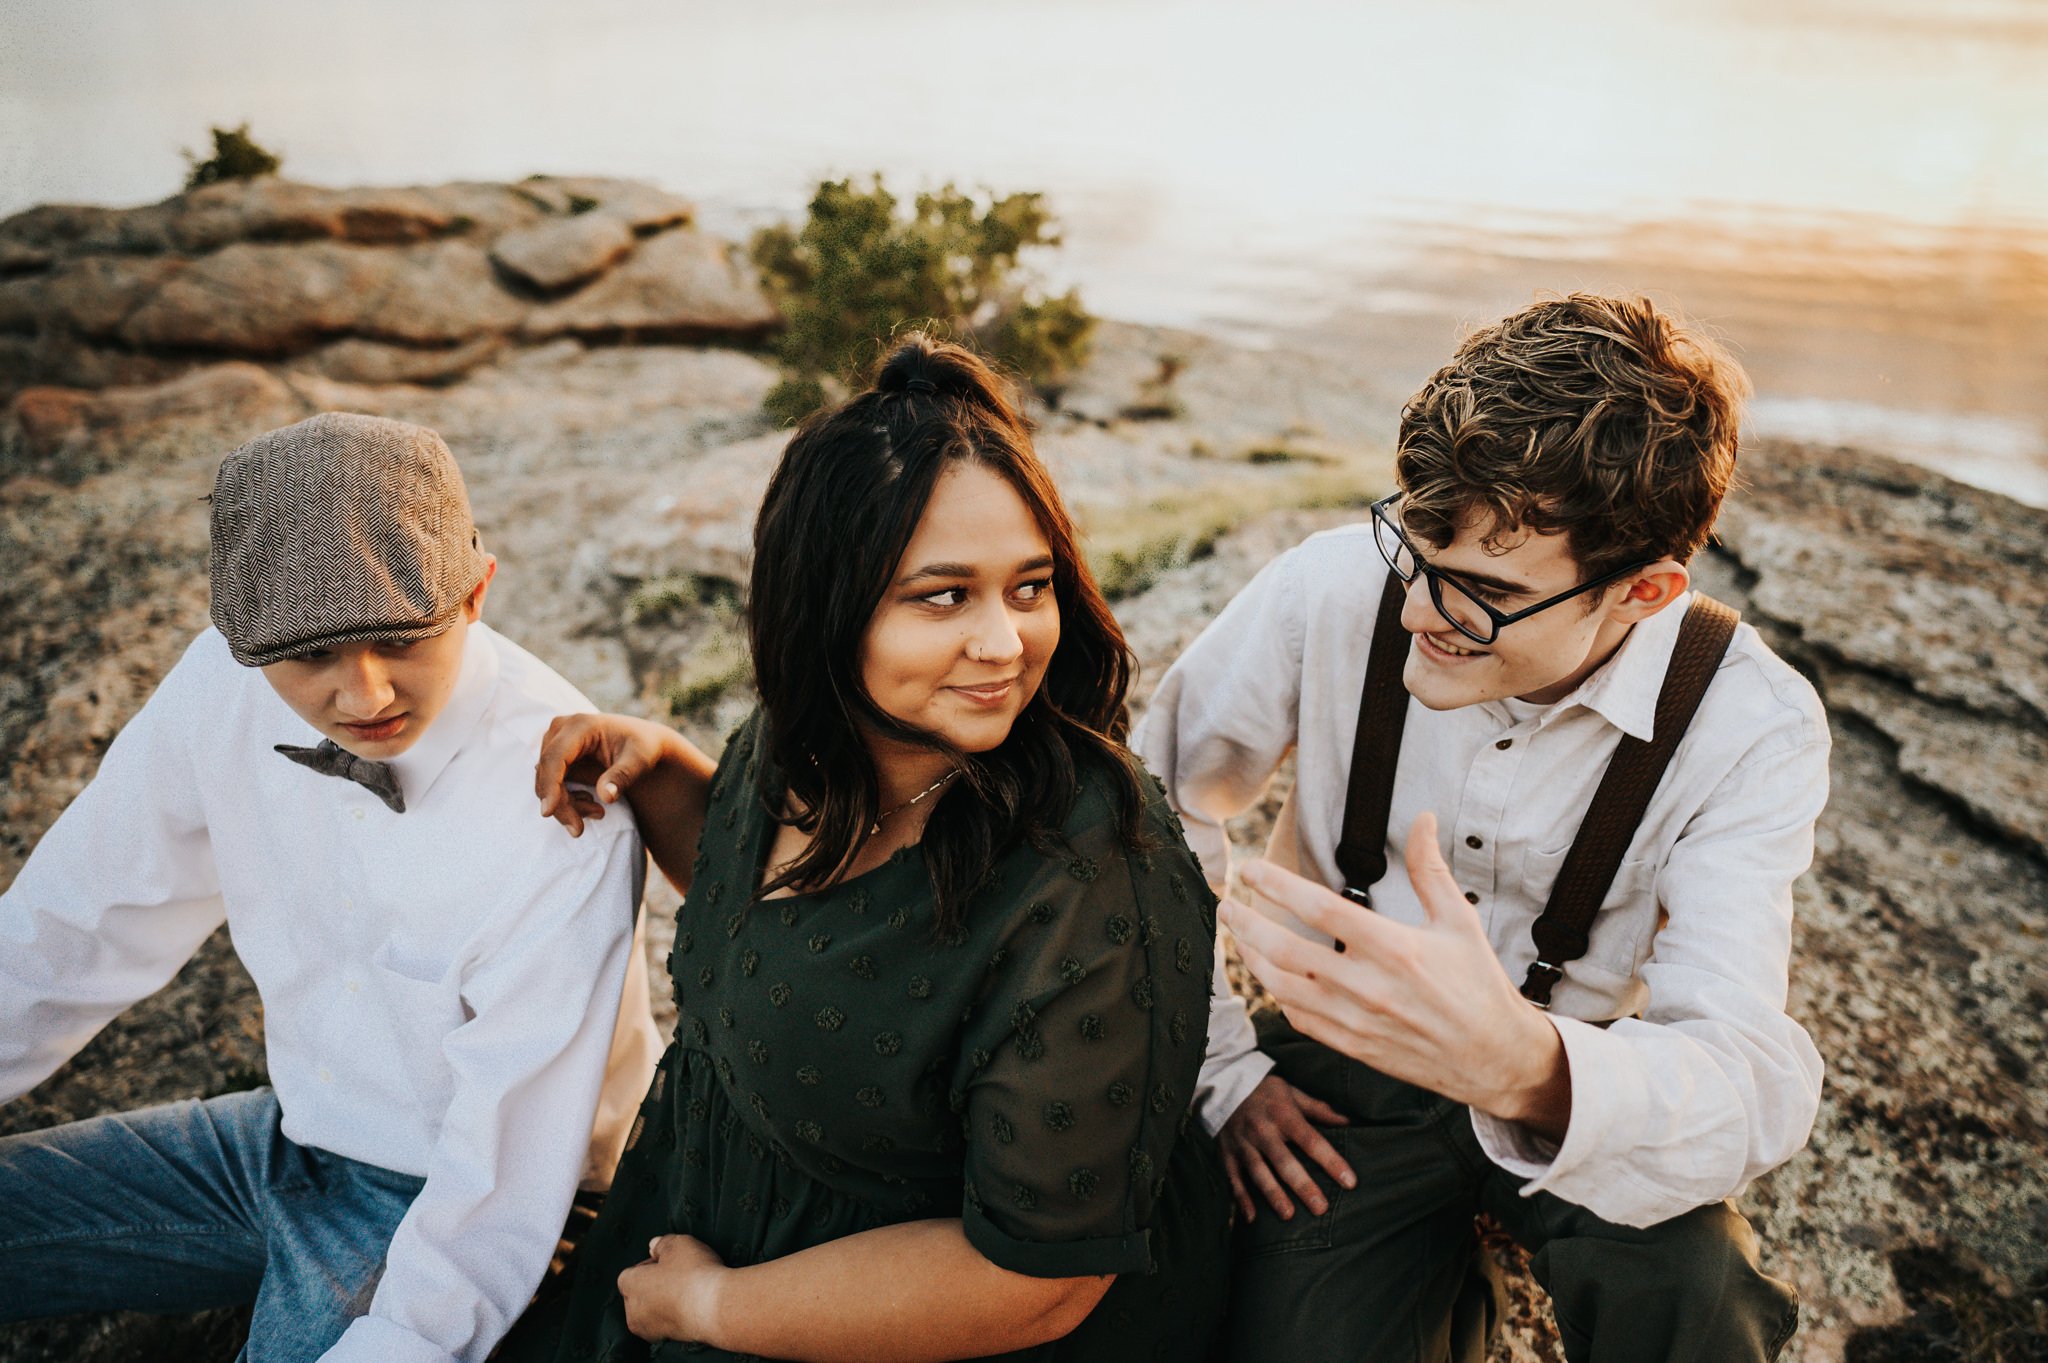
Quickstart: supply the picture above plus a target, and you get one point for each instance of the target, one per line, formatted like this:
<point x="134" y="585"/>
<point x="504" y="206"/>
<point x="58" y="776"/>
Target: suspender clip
<point x="1542" y="978"/>
<point x="1360" y="898"/>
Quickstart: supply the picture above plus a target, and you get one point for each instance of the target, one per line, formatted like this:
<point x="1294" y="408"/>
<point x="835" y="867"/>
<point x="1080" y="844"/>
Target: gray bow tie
<point x="331" y="759"/>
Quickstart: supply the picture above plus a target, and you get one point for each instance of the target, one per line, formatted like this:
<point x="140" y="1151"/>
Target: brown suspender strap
<point x="1375" y="750"/>
<point x="1610" y="823"/>
<point x="1631" y="778"/>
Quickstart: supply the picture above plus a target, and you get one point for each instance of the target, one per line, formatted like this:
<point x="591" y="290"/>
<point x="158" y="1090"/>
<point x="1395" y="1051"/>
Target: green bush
<point x="236" y="156"/>
<point x="663" y="600"/>
<point x="864" y="265"/>
<point x="714" y="667"/>
<point x="794" y="398"/>
<point x="1126" y="572"/>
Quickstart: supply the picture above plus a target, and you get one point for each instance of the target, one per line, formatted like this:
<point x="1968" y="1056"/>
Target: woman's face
<point x="960" y="641"/>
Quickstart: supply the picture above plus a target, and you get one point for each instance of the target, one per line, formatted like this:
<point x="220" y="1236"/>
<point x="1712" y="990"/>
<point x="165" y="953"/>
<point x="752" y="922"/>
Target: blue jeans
<point x="196" y="1205"/>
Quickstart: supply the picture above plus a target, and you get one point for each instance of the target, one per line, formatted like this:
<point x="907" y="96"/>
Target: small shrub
<point x="714" y="667"/>
<point x="236" y="156"/>
<point x="1122" y="573"/>
<point x="1283" y="454"/>
<point x="863" y="265"/>
<point x="1156" y="400"/>
<point x="793" y="399"/>
<point x="580" y="204"/>
<point x="660" y="599"/>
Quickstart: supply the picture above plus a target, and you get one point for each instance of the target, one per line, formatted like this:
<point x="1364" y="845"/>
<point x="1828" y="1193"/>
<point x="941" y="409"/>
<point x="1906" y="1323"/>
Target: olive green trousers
<point x="1391" y="1273"/>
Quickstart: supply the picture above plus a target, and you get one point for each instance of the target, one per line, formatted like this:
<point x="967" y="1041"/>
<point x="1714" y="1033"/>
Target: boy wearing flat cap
<point x="341" y="770"/>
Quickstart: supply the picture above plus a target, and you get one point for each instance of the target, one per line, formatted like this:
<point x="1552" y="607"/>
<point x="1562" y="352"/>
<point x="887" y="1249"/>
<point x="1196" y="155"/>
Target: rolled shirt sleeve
<point x="117" y="895"/>
<point x="1220" y="723"/>
<point x="543" y="999"/>
<point x="1714" y="1085"/>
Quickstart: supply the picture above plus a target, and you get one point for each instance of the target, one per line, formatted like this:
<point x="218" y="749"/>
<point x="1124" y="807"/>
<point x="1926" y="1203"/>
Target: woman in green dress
<point x="942" y="967"/>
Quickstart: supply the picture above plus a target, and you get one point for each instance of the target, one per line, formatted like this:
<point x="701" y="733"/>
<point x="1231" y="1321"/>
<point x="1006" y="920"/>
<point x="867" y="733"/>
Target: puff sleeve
<point x="1080" y="1057"/>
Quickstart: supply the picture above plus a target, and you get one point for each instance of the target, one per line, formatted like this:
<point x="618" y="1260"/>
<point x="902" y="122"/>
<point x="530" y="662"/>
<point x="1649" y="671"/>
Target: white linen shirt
<point x="1703" y="1083"/>
<point x="441" y="988"/>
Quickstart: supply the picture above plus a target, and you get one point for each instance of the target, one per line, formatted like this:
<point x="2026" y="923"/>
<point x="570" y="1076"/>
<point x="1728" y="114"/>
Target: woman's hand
<point x="604" y="754"/>
<point x="911" y="1292"/>
<point x="673" y="1293"/>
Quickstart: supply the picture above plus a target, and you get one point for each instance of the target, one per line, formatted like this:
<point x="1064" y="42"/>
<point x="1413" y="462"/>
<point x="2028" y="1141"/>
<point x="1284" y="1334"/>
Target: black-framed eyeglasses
<point x="1458" y="602"/>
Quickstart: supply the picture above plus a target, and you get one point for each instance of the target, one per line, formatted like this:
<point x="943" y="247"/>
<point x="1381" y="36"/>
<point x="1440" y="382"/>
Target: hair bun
<point x="932" y="368"/>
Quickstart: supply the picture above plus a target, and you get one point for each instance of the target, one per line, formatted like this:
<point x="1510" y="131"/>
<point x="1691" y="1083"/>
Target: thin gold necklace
<point x="876" y="826"/>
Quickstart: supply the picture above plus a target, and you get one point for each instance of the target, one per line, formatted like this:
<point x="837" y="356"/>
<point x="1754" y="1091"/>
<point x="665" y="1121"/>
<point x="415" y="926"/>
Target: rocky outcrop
<point x="1918" y="606"/>
<point x="677" y="286"/>
<point x="558" y="255"/>
<point x="363" y="285"/>
<point x="616" y="484"/>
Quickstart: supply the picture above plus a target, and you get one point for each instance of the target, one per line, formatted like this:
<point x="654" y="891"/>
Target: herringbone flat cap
<point x="338" y="530"/>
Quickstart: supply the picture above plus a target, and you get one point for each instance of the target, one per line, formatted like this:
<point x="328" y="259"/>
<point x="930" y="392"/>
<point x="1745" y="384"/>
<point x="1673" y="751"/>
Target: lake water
<point x="1852" y="193"/>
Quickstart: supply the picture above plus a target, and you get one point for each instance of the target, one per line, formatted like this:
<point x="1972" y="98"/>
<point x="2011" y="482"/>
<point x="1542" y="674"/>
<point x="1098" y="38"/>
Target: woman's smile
<point x="990" y="694"/>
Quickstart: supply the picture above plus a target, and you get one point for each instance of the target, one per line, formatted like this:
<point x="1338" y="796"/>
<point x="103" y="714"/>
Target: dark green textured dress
<point x="837" y="1067"/>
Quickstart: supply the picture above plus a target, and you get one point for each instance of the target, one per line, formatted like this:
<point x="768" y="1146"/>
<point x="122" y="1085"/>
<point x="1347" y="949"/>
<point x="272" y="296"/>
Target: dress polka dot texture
<point x="865" y="1070"/>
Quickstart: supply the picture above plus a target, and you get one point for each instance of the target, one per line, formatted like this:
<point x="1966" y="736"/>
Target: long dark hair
<point x="839" y="513"/>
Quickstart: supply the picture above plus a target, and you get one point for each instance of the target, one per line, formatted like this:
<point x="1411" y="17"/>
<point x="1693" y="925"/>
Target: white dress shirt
<point x="1704" y="1083"/>
<point x="441" y="988"/>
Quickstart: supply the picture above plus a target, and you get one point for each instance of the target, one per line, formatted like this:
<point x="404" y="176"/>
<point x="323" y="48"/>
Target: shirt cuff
<point x="1130" y="1253"/>
<point x="373" y="1339"/>
<point x="1609" y="1095"/>
<point x="1225" y="1087"/>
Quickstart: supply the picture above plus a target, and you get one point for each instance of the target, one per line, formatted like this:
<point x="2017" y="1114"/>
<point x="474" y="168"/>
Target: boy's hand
<point x="1259" y="1139"/>
<point x="1428" y="1004"/>
<point x="672" y="1293"/>
<point x="588" y="761"/>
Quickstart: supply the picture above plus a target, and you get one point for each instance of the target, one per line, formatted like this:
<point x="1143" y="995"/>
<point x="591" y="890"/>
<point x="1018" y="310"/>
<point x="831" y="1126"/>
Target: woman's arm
<point x="665" y="777"/>
<point x="917" y="1292"/>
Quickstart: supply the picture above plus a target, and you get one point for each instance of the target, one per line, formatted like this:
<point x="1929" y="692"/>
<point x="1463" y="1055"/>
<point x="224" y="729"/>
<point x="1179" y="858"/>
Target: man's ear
<point x="1649" y="590"/>
<point x="475" y="608"/>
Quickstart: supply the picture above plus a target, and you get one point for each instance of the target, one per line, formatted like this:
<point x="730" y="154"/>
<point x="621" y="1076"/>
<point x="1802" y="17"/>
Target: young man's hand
<point x="1428" y="1004"/>
<point x="589" y="761"/>
<point x="1259" y="1139"/>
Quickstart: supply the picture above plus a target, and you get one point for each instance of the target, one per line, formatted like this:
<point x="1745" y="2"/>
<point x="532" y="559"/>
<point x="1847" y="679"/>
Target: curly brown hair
<point x="1598" y="417"/>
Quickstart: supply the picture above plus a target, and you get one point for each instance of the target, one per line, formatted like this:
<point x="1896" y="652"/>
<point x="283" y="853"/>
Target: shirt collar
<point x="419" y="766"/>
<point x="1624" y="689"/>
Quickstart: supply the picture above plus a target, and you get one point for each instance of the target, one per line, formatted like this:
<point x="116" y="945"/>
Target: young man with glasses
<point x="1432" y="1063"/>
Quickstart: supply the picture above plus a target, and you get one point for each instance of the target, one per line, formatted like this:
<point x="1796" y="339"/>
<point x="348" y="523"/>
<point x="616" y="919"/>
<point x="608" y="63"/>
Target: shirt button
<point x="355" y="987"/>
<point x="356" y="813"/>
<point x="1505" y="744"/>
<point x="326" y="1075"/>
<point x="1474" y="841"/>
<point x="1471" y="897"/>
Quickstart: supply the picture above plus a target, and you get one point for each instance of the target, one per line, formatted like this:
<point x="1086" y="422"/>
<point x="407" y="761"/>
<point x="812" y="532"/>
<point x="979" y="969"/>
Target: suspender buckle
<point x="1542" y="978"/>
<point x="1358" y="897"/>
